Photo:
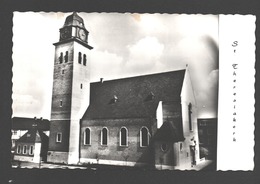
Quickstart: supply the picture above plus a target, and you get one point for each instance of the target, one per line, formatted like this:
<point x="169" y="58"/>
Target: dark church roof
<point x="21" y="123"/>
<point x="32" y="136"/>
<point x="135" y="97"/>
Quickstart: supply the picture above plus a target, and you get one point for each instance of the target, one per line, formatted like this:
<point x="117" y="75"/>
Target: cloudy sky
<point x="124" y="45"/>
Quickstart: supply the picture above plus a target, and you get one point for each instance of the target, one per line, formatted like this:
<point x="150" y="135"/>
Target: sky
<point x="125" y="45"/>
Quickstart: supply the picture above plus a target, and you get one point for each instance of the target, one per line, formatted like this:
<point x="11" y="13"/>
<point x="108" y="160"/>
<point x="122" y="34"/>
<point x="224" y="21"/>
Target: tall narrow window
<point x="31" y="150"/>
<point x="81" y="86"/>
<point x="104" y="136"/>
<point x="80" y="58"/>
<point x="123" y="137"/>
<point x="87" y="136"/>
<point x="24" y="149"/>
<point x="61" y="57"/>
<point x="84" y="59"/>
<point x="181" y="147"/>
<point x="58" y="137"/>
<point x="190" y="112"/>
<point x="144" y="137"/>
<point x="61" y="103"/>
<point x="18" y="149"/>
<point x="66" y="57"/>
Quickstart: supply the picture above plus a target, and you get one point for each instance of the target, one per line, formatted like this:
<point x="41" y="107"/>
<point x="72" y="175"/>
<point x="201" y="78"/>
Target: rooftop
<point x="134" y="97"/>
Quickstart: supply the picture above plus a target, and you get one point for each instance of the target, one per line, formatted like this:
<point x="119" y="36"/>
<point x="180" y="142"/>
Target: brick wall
<point x="70" y="99"/>
<point x="113" y="151"/>
<point x="59" y="126"/>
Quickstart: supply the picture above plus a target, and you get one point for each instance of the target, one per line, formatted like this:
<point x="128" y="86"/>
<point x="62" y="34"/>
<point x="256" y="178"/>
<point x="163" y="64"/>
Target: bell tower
<point x="70" y="92"/>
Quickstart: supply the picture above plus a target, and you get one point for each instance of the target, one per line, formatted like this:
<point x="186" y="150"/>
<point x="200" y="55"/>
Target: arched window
<point x="31" y="150"/>
<point x="61" y="57"/>
<point x="66" y="57"/>
<point x="104" y="136"/>
<point x="87" y="136"/>
<point x="144" y="137"/>
<point x="80" y="58"/>
<point x="123" y="137"/>
<point x="84" y="59"/>
<point x="18" y="149"/>
<point x="24" y="149"/>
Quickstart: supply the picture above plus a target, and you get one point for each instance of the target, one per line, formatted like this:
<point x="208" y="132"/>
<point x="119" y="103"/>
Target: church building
<point x="142" y="121"/>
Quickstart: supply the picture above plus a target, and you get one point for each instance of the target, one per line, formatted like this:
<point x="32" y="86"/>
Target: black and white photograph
<point x="115" y="90"/>
<point x="130" y="92"/>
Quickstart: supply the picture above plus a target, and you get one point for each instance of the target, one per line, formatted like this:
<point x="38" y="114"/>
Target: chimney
<point x="101" y="80"/>
<point x="34" y="125"/>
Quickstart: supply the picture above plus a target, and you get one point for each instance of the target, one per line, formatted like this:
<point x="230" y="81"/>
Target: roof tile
<point x="137" y="97"/>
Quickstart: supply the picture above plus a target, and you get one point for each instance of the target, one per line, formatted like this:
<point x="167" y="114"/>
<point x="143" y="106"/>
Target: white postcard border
<point x="236" y="92"/>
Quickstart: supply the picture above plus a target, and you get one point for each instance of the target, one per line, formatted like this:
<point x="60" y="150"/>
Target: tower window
<point x="61" y="57"/>
<point x="24" y="149"/>
<point x="123" y="137"/>
<point x="190" y="112"/>
<point x="18" y="149"/>
<point x="58" y="137"/>
<point x="31" y="150"/>
<point x="66" y="57"/>
<point x="81" y="86"/>
<point x="144" y="137"/>
<point x="80" y="58"/>
<point x="87" y="136"/>
<point x="61" y="103"/>
<point x="104" y="136"/>
<point x="84" y="59"/>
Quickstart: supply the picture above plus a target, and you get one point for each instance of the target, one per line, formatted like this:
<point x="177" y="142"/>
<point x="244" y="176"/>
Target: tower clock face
<point x="82" y="35"/>
<point x="65" y="33"/>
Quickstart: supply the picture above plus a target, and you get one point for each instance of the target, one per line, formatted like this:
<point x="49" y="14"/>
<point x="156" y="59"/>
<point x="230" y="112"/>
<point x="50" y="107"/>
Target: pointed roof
<point x="32" y="136"/>
<point x="136" y="97"/>
<point x="74" y="20"/>
<point x="170" y="131"/>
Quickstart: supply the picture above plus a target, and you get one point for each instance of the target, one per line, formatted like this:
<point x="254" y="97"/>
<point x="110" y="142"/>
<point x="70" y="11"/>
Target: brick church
<point x="148" y="120"/>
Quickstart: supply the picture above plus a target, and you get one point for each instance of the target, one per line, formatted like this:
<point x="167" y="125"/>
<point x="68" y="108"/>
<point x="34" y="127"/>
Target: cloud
<point x="105" y="65"/>
<point x="144" y="55"/>
<point x="26" y="105"/>
<point x="213" y="78"/>
<point x="111" y="31"/>
<point x="151" y="24"/>
<point x="196" y="25"/>
<point x="207" y="96"/>
<point x="124" y="45"/>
